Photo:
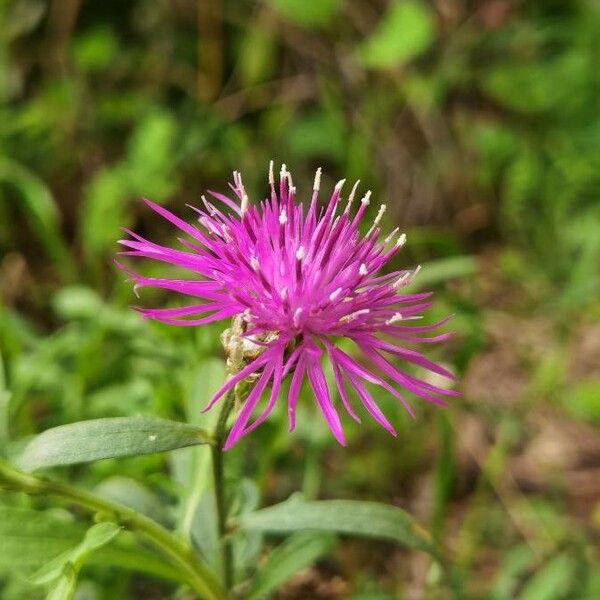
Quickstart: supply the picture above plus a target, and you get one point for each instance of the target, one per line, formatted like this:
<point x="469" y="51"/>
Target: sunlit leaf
<point x="406" y="30"/>
<point x="309" y="14"/>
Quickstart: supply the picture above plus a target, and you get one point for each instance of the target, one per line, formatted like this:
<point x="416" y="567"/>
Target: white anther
<point x="354" y="315"/>
<point x="297" y="314"/>
<point x="388" y="239"/>
<point x="292" y="189"/>
<point x="401" y="240"/>
<point x="394" y="319"/>
<point x="271" y="176"/>
<point x="335" y="294"/>
<point x="366" y="198"/>
<point x="282" y="217"/>
<point x="317" y="182"/>
<point x="254" y="263"/>
<point x="363" y="269"/>
<point x="283" y="171"/>
<point x="300" y="253"/>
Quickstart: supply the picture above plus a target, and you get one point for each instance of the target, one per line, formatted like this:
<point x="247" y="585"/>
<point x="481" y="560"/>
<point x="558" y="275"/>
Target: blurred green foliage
<point x="476" y="123"/>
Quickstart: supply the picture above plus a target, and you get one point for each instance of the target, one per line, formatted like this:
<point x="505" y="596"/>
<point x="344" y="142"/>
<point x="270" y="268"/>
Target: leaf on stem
<point x="98" y="439"/>
<point x="349" y="517"/>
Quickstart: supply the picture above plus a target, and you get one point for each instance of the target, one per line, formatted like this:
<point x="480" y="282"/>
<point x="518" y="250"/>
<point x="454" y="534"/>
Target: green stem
<point x="198" y="576"/>
<point x="219" y="478"/>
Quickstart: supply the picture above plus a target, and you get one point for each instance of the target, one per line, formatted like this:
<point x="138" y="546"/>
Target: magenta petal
<point x="316" y="377"/>
<point x="237" y="431"/>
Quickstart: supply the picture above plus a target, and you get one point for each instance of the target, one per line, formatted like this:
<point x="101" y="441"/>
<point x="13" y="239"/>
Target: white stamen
<point x="247" y="315"/>
<point x="354" y="315"/>
<point x="282" y="217"/>
<point x="317" y="182"/>
<point x="395" y="318"/>
<point x="283" y="172"/>
<point x="363" y="269"/>
<point x="254" y="263"/>
<point x="382" y="209"/>
<point x="271" y="176"/>
<point x="401" y="241"/>
<point x="406" y="278"/>
<point x="292" y="189"/>
<point x="339" y="185"/>
<point x="244" y="204"/>
<point x="366" y="198"/>
<point x="300" y="253"/>
<point x="351" y="196"/>
<point x="335" y="294"/>
<point x="377" y="219"/>
<point x="388" y="239"/>
<point x="297" y="314"/>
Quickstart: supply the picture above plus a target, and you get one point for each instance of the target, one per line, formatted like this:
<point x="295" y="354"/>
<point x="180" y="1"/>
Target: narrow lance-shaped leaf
<point x="298" y="552"/>
<point x="350" y="517"/>
<point x="29" y="538"/>
<point x="61" y="572"/>
<point x="97" y="439"/>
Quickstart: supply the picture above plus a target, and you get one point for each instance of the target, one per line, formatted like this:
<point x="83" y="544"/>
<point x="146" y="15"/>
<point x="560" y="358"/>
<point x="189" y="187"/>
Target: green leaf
<point x="41" y="210"/>
<point x="97" y="536"/>
<point x="309" y="14"/>
<point x="29" y="538"/>
<point x="405" y="31"/>
<point x="64" y="587"/>
<point x="296" y="553"/>
<point x="444" y="269"/>
<point x="351" y="517"/>
<point x="97" y="439"/>
<point x="105" y="200"/>
<point x="555" y="580"/>
<point x="133" y="494"/>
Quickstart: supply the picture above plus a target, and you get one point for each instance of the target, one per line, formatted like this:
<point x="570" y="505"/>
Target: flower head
<point x="294" y="280"/>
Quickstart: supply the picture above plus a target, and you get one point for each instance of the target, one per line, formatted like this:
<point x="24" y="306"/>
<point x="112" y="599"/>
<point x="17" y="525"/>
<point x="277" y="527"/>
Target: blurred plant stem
<point x="197" y="575"/>
<point x="220" y="496"/>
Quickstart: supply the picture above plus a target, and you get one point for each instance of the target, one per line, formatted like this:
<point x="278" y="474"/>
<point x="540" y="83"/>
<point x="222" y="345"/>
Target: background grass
<point x="477" y="123"/>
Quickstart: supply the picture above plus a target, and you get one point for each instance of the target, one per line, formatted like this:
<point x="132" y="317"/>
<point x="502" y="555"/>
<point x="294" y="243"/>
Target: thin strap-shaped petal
<point x="317" y="381"/>
<point x="180" y="223"/>
<point x="370" y="404"/>
<point x="409" y="355"/>
<point x="295" y="386"/>
<point x="339" y="380"/>
<point x="403" y="379"/>
<point x="218" y="316"/>
<point x="237" y="431"/>
<point x="357" y="369"/>
<point x="277" y="378"/>
<point x="245" y="372"/>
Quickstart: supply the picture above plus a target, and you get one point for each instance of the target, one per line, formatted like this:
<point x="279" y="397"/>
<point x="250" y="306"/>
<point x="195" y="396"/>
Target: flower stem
<point x="220" y="496"/>
<point x="197" y="575"/>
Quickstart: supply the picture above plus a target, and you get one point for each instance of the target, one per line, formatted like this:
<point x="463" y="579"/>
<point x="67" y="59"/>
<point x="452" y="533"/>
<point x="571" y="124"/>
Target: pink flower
<point x="296" y="280"/>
